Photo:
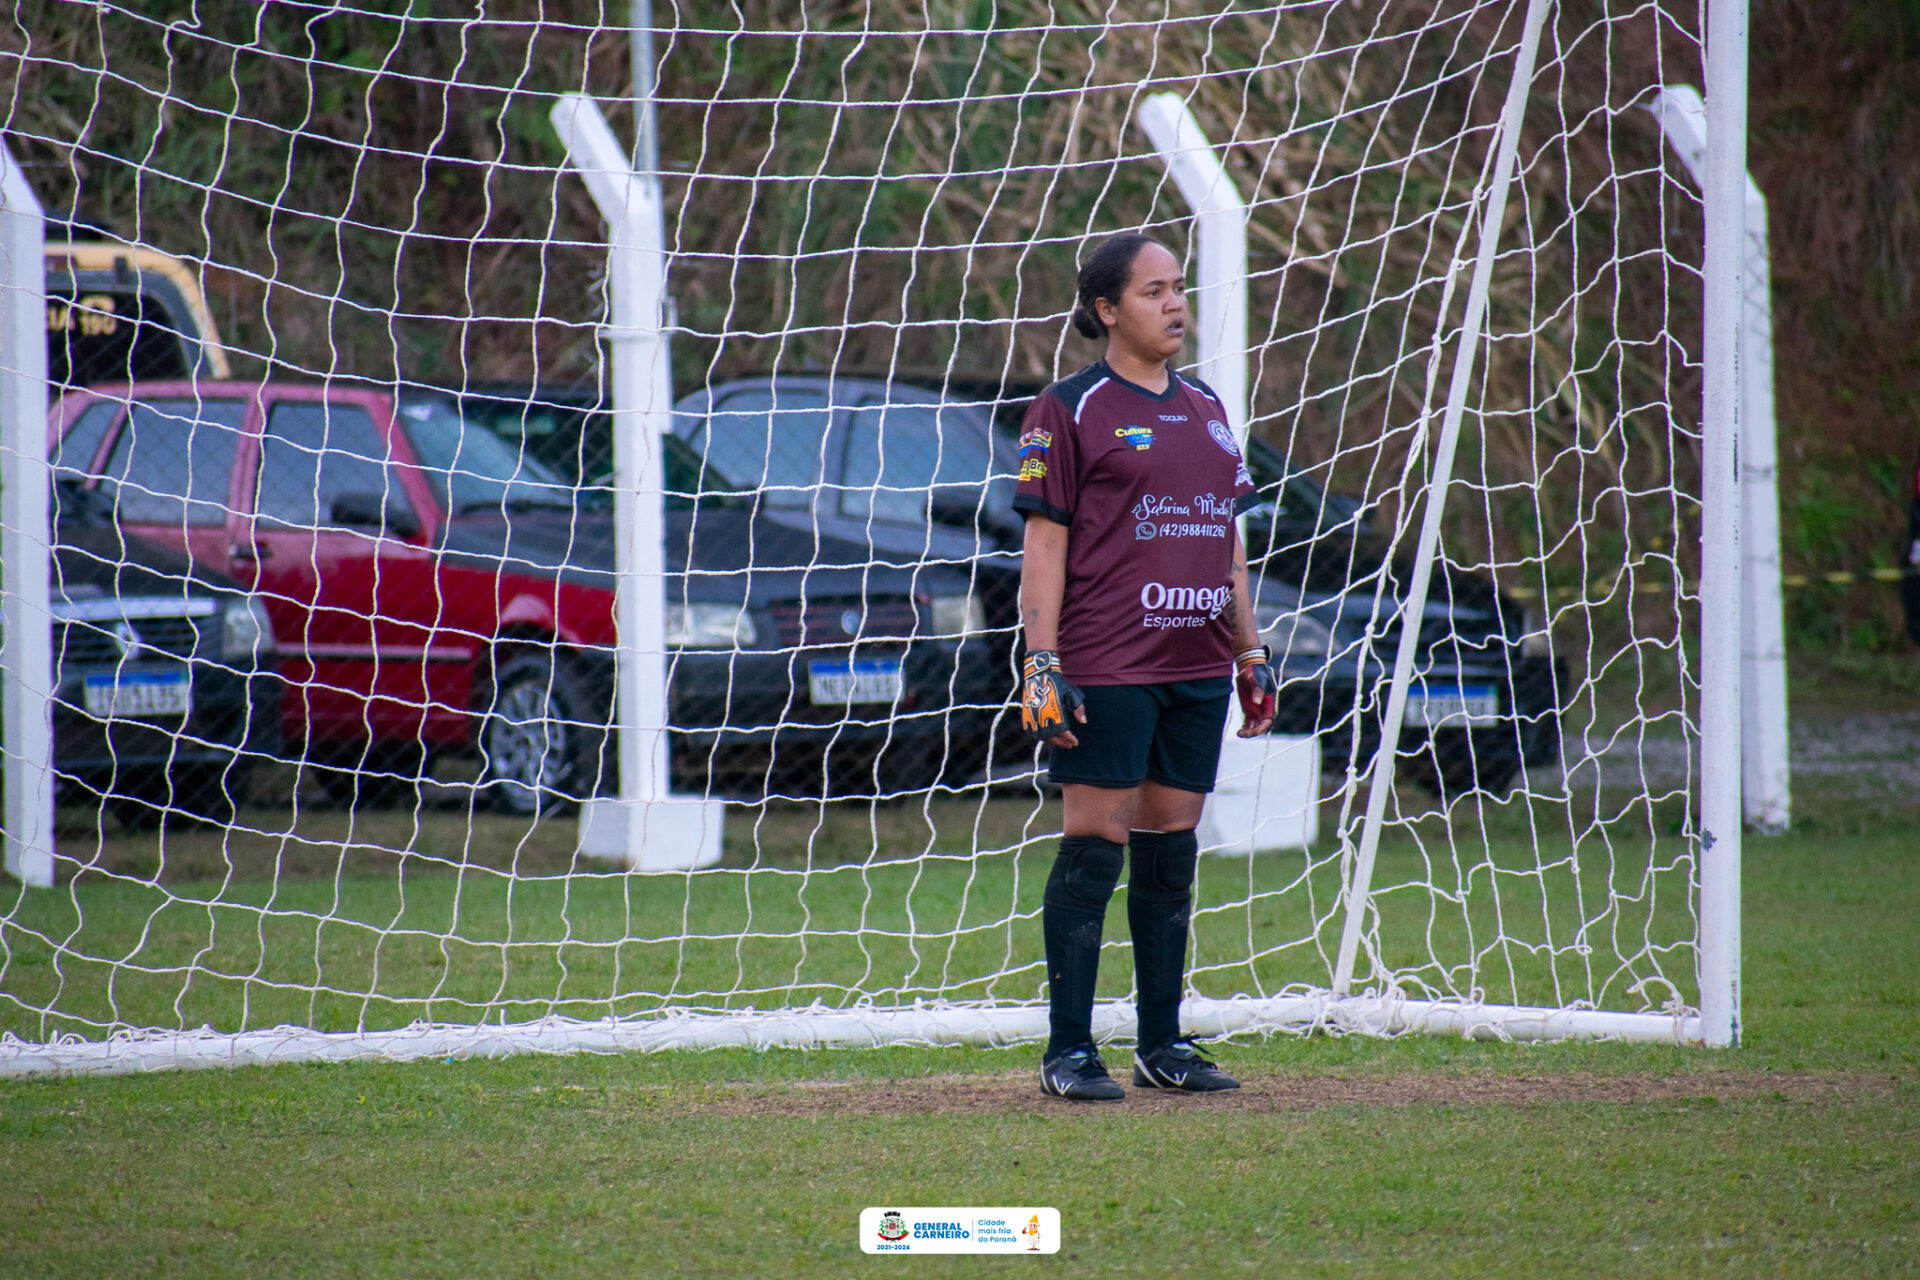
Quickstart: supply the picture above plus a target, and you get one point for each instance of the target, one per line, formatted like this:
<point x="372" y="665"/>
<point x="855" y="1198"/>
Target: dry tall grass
<point x="856" y="186"/>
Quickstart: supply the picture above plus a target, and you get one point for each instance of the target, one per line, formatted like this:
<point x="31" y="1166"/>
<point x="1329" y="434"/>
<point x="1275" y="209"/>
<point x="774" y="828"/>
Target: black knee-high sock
<point x="1073" y="912"/>
<point x="1159" y="901"/>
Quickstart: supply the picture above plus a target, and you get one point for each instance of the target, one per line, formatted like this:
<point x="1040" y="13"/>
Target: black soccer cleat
<point x="1178" y="1065"/>
<point x="1078" y="1075"/>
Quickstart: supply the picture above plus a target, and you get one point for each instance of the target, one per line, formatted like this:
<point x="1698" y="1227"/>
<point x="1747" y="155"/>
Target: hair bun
<point x="1087" y="323"/>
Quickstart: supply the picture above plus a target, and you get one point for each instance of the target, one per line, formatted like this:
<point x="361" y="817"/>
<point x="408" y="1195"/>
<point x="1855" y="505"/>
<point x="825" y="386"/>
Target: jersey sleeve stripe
<point x="1039" y="506"/>
<point x="1088" y="396"/>
<point x="1208" y="392"/>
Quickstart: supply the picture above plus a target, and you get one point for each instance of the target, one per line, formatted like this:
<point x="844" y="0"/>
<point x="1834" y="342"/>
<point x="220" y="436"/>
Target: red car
<point x="433" y="590"/>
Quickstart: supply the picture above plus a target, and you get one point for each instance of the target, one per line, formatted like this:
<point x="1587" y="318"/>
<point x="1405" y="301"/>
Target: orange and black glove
<point x="1256" y="683"/>
<point x="1047" y="698"/>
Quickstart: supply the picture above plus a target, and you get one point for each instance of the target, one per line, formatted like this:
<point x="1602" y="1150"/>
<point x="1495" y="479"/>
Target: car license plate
<point x="1460" y="707"/>
<point x="857" y="680"/>
<point x="130" y="695"/>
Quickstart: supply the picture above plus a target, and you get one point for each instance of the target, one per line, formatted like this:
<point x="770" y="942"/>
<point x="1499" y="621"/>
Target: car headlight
<point x="246" y="633"/>
<point x="1289" y="632"/>
<point x="709" y="626"/>
<point x="956" y="616"/>
<point x="1537" y="639"/>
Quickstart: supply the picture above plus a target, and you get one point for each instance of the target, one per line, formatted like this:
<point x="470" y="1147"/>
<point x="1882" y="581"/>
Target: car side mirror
<point x="73" y="503"/>
<point x="959" y="510"/>
<point x="374" y="511"/>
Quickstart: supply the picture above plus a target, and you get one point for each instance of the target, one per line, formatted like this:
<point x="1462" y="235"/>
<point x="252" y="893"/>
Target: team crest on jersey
<point x="1223" y="436"/>
<point x="1140" y="438"/>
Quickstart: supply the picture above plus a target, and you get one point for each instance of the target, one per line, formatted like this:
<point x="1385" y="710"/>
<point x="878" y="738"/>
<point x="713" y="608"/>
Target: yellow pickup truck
<point x="120" y="312"/>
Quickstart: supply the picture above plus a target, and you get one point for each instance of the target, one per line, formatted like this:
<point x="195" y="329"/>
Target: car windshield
<point x="899" y="454"/>
<point x="690" y="481"/>
<point x="474" y="470"/>
<point x="1304" y="536"/>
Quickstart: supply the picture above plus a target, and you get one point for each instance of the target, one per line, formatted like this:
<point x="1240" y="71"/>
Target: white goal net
<point x="418" y="682"/>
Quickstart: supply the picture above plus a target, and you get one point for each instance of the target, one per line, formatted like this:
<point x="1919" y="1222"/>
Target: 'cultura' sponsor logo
<point x="1140" y="438"/>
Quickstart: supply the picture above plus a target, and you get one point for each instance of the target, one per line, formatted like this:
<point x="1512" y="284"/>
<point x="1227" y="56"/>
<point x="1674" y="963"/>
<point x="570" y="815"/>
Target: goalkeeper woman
<point x="1134" y="601"/>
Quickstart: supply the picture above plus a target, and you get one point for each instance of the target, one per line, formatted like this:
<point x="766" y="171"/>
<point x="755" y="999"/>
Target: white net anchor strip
<point x="351" y="758"/>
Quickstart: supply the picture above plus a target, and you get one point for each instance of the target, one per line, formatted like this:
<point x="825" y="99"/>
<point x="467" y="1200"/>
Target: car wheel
<point x="195" y="794"/>
<point x="540" y="745"/>
<point x="886" y="774"/>
<point x="371" y="777"/>
<point x="1451" y="764"/>
<point x="215" y="794"/>
<point x="141" y="811"/>
<point x="971" y="744"/>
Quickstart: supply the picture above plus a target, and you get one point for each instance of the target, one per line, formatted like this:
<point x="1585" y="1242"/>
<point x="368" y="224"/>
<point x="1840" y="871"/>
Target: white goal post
<point x="24" y="625"/>
<point x="583" y="621"/>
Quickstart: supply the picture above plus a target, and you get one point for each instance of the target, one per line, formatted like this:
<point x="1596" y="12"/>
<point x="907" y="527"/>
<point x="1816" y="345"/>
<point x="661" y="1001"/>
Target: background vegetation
<point x="906" y="191"/>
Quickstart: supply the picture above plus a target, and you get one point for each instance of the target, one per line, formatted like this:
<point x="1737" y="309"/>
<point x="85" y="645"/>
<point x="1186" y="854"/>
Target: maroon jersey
<point x="1148" y="486"/>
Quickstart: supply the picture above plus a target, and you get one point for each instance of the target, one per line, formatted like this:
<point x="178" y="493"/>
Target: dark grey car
<point x="1484" y="696"/>
<point x="917" y="478"/>
<point x="164" y="690"/>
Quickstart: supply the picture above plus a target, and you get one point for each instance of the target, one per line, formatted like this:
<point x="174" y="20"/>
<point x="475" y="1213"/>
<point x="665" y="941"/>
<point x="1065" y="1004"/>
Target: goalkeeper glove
<point x="1047" y="697"/>
<point x="1256" y="683"/>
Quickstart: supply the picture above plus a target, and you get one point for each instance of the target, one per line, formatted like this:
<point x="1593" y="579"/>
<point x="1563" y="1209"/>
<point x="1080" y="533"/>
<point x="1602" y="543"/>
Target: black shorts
<point x="1169" y="733"/>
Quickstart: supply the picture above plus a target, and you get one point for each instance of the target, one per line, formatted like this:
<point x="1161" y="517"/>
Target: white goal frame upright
<point x="655" y="831"/>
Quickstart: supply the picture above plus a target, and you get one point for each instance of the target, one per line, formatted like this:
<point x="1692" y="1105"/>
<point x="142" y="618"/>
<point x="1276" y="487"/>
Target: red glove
<point x="1256" y="683"/>
<point x="1047" y="697"/>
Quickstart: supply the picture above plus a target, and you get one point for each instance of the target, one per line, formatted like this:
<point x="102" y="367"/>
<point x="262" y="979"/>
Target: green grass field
<point x="1796" y="1154"/>
<point x="380" y="940"/>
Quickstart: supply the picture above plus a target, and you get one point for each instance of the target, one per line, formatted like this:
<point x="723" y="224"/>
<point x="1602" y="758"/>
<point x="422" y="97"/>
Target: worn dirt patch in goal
<point x="1016" y="1093"/>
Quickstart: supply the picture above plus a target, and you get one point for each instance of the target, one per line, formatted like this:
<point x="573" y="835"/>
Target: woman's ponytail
<point x="1104" y="275"/>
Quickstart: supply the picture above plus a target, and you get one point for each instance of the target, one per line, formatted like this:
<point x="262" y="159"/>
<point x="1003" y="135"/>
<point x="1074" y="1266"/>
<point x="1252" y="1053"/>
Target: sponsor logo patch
<point x="1141" y="438"/>
<point x="1034" y="468"/>
<point x="1174" y="606"/>
<point x="1205" y="516"/>
<point x="1035" y="441"/>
